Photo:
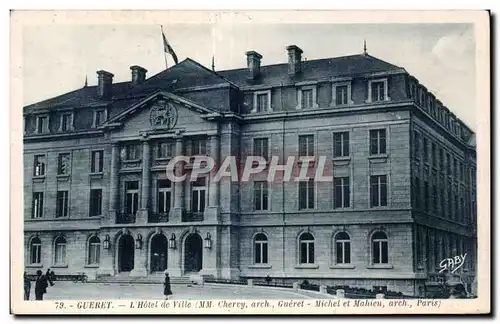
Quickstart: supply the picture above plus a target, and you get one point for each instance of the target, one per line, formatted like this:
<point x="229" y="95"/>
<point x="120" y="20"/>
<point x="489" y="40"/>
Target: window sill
<point x="95" y="216"/>
<point x="380" y="266"/>
<point x="96" y="175"/>
<point x="306" y="266"/>
<point x="39" y="178"/>
<point x="35" y="265"/>
<point x="378" y="158"/>
<point x="341" y="160"/>
<point x="258" y="266"/>
<point x="342" y="266"/>
<point x="164" y="158"/>
<point x="63" y="176"/>
<point x="92" y="266"/>
<point x="59" y="266"/>
<point x="310" y="162"/>
<point x="131" y="161"/>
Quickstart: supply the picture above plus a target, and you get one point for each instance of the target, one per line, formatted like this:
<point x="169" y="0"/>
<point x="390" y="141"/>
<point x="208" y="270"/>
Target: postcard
<point x="250" y="162"/>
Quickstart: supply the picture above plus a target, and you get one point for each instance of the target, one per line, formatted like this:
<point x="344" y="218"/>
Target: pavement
<point x="67" y="290"/>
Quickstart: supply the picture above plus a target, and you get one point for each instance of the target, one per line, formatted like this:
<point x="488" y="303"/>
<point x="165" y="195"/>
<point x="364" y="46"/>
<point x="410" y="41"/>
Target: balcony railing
<point x="193" y="217"/>
<point x="158" y="218"/>
<point x="125" y="218"/>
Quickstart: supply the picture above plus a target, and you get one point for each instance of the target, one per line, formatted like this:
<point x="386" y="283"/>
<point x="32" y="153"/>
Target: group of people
<point x="41" y="283"/>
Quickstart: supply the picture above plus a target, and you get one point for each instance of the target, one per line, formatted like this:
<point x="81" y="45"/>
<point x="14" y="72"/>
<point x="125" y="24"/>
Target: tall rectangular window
<point x="99" y="117"/>
<point x="448" y="164"/>
<point x="433" y="155"/>
<point x="307" y="98"/>
<point x="461" y="171"/>
<point x="42" y="124"/>
<point x="164" y="196"/>
<point x="341" y="144"/>
<point x="260" y="195"/>
<point x="37" y="208"/>
<point x="166" y="150"/>
<point x="306" y="194"/>
<point x="378" y="190"/>
<point x="434" y="196"/>
<point x="341" y="192"/>
<point x="132" y="152"/>
<point x="96" y="164"/>
<point x="441" y="159"/>
<point x="131" y="197"/>
<point x="261" y="147"/>
<point x="426" y="196"/>
<point x="198" y="192"/>
<point x="62" y="204"/>
<point x="63" y="163"/>
<point x="377" y="141"/>
<point x="199" y="146"/>
<point x="417" y="192"/>
<point x="341" y="95"/>
<point x="66" y="122"/>
<point x="306" y="145"/>
<point x="262" y="102"/>
<point x="425" y="150"/>
<point x="378" y="91"/>
<point x="95" y="202"/>
<point x="450" y="202"/>
<point x="416" y="138"/>
<point x="39" y="166"/>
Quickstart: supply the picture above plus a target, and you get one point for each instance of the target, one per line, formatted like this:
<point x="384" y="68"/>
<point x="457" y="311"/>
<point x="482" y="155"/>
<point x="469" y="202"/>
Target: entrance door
<point x="193" y="253"/>
<point x="126" y="253"/>
<point x="159" y="248"/>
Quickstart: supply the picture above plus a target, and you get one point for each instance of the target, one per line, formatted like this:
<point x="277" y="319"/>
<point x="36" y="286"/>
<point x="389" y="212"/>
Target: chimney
<point x="294" y="59"/>
<point x="253" y="63"/>
<point x="104" y="84"/>
<point x="138" y="74"/>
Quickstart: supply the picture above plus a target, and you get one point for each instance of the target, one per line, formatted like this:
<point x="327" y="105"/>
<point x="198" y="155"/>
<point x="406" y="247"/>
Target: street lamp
<point x="208" y="241"/>
<point x="171" y="242"/>
<point x="138" y="242"/>
<point x="106" y="242"/>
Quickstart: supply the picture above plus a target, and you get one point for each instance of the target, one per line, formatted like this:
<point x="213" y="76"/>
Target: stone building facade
<point x="402" y="195"/>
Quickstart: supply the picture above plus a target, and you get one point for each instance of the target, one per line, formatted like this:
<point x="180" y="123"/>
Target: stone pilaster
<point x="213" y="210"/>
<point x="179" y="208"/>
<point x="114" y="184"/>
<point x="142" y="214"/>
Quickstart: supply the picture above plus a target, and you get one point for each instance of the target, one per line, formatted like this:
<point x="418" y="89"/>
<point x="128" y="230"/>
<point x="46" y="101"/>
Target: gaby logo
<point x="452" y="264"/>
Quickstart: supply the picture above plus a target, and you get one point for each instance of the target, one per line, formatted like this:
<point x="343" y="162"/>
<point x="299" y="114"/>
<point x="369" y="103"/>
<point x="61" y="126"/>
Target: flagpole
<point x="164" y="53"/>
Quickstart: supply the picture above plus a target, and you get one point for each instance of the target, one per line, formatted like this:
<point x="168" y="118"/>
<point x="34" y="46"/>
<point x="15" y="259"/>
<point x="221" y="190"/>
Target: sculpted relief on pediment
<point x="163" y="115"/>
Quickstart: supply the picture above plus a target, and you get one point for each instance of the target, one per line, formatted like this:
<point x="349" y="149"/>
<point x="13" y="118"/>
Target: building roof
<point x="312" y="70"/>
<point x="189" y="73"/>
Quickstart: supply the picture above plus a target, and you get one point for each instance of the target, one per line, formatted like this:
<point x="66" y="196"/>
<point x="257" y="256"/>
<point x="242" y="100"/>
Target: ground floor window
<point x="260" y="249"/>
<point x="380" y="253"/>
<point x="35" y="251"/>
<point x="306" y="252"/>
<point x="342" y="248"/>
<point x="94" y="250"/>
<point x="60" y="251"/>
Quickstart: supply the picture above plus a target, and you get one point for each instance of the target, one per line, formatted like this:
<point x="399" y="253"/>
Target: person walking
<point x="167" y="291"/>
<point x="40" y="285"/>
<point x="27" y="286"/>
<point x="49" y="277"/>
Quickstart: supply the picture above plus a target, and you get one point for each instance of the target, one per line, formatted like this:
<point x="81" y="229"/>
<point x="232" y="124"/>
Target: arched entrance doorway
<point x="193" y="253"/>
<point x="158" y="253"/>
<point x="126" y="253"/>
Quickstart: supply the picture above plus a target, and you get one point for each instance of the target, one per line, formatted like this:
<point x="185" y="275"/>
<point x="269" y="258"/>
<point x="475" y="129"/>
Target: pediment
<point x="161" y="112"/>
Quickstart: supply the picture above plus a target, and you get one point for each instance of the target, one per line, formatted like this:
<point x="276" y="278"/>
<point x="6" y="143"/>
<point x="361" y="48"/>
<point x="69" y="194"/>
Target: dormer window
<point x="306" y="97"/>
<point x="261" y="101"/>
<point x="42" y="124"/>
<point x="100" y="116"/>
<point x="422" y="98"/>
<point x="377" y="90"/>
<point x="431" y="107"/>
<point x="66" y="122"/>
<point x="341" y="94"/>
<point x="413" y="92"/>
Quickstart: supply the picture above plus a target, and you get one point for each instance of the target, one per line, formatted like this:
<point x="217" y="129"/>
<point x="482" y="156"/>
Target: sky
<point x="58" y="58"/>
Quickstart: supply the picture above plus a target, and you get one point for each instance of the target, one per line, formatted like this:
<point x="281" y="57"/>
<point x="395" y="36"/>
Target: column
<point x="142" y="215"/>
<point x="213" y="210"/>
<point x="114" y="184"/>
<point x="178" y="211"/>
